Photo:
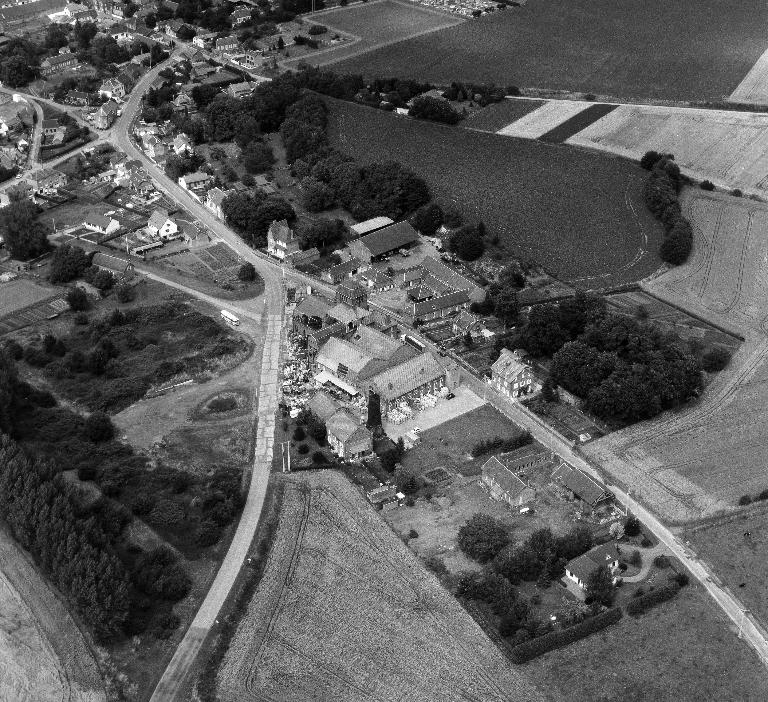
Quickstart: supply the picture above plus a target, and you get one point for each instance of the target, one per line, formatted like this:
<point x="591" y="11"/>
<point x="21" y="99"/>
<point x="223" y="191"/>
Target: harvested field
<point x="753" y="89"/>
<point x="43" y="655"/>
<point x="345" y="611"/>
<point x="728" y="148"/>
<point x="539" y="122"/>
<point x="576" y="213"/>
<point x="680" y="650"/>
<point x="500" y="114"/>
<point x="575" y="124"/>
<point x="688" y="50"/>
<point x="20" y="293"/>
<point x="703" y="458"/>
<point x="374" y="25"/>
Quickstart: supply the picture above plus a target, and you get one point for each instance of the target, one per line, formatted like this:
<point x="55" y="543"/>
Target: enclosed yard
<point x="686" y="50"/>
<point x="681" y="650"/>
<point x="346" y="612"/>
<point x="579" y="214"/>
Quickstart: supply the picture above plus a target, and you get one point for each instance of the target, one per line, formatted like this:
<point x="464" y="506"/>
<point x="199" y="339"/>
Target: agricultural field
<point x="688" y="50"/>
<point x="500" y="114"/>
<point x="728" y="148"/>
<point x="43" y="655"/>
<point x="680" y="650"/>
<point x="374" y="25"/>
<point x="345" y="611"/>
<point x="20" y="293"/>
<point x="578" y="214"/>
<point x="702" y="459"/>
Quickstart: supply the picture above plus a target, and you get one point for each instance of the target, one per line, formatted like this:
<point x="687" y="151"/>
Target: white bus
<point x="229" y="318"/>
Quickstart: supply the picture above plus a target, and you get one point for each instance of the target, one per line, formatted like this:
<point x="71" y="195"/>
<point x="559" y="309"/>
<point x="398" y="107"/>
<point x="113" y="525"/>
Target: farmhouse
<point x="504" y="484"/>
<point x="162" y="225"/>
<point x="281" y="240"/>
<point x="581" y="568"/>
<point x="581" y="486"/>
<point x="384" y="241"/>
<point x="510" y="375"/>
<point x="101" y="224"/>
<point x="348" y="438"/>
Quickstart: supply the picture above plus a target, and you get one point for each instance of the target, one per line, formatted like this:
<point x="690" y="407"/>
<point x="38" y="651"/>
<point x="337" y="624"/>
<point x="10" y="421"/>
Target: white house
<point x="194" y="182"/>
<point x="101" y="224"/>
<point x="162" y="225"/>
<point x="281" y="240"/>
<point x="511" y="376"/>
<point x="580" y="569"/>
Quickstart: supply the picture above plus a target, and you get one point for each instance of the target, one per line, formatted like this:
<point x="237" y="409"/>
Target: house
<point x="352" y="293"/>
<point x="195" y="182"/>
<point x="47" y="181"/>
<point x="376" y="280"/>
<point x="466" y="323"/>
<point x="204" y="39"/>
<point x="172" y="27"/>
<point x="504" y="484"/>
<point x="281" y="240"/>
<point x="112" y="88"/>
<point x="310" y="314"/>
<point x="580" y="569"/>
<point x="227" y="44"/>
<point x="251" y="59"/>
<point x="421" y="375"/>
<point x="77" y="97"/>
<point x="435" y="270"/>
<point x="106" y="115"/>
<point x="50" y="126"/>
<point x="511" y="376"/>
<point x="182" y="146"/>
<point x="438" y="307"/>
<point x="385" y="497"/>
<point x="581" y="486"/>
<point x="154" y="147"/>
<point x="121" y="34"/>
<point x="240" y="15"/>
<point x="101" y="224"/>
<point x="347" y="437"/>
<point x="163" y="225"/>
<point x="108" y="7"/>
<point x="58" y="63"/>
<point x="322" y="405"/>
<point x="239" y="90"/>
<point x="14" y="116"/>
<point x="341" y="271"/>
<point x="371" y="225"/>
<point x="184" y="103"/>
<point x="383" y="242"/>
<point x="213" y="199"/>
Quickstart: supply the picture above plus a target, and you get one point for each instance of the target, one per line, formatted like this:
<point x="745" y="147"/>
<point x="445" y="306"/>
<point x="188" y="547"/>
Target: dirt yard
<point x="449" y="443"/>
<point x="346" y="612"/>
<point x="43" y="655"/>
<point x="702" y="459"/>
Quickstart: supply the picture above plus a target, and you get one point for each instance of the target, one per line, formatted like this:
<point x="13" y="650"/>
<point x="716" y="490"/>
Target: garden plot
<point x="346" y="612"/>
<point x="20" y="293"/>
<point x="728" y="148"/>
<point x="550" y="115"/>
<point x="701" y="460"/>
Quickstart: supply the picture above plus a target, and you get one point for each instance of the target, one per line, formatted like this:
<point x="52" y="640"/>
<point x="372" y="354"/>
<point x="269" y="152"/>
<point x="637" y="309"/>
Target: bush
<point x="413" y="534"/>
<point x="434" y="109"/>
<point x="436" y="565"/>
<point x="645" y="542"/>
<point x="763" y="495"/>
<point x="67" y="263"/>
<point x="715" y="359"/>
<point x="483" y="537"/>
<point x="640" y="604"/>
<point x="631" y="526"/>
<point x="707" y="185"/>
<point x="736" y="192"/>
<point x="661" y="561"/>
<point x="635" y="559"/>
<point x="77" y="300"/>
<point x="222" y="404"/>
<point x="208" y="533"/>
<point x="650" y="159"/>
<point x="247" y="272"/>
<point x="745" y="500"/>
<point x="141" y="504"/>
<point x="499" y="445"/>
<point x="302" y="448"/>
<point x="99" y="427"/>
<point x="166" y="625"/>
<point x="528" y="650"/>
<point x="125" y="293"/>
<point x="681" y="579"/>
<point x="319" y="457"/>
<point x="167" y="513"/>
<point x="81" y="319"/>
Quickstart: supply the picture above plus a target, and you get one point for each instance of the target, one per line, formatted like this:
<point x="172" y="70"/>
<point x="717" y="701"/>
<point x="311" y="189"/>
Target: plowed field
<point x="346" y="612"/>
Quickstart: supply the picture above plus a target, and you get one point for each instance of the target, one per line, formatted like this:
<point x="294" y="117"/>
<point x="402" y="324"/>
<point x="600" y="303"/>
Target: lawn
<point x="577" y="213"/>
<point x="681" y="650"/>
<point x="345" y="611"/>
<point x="377" y="24"/>
<point x="685" y="50"/>
<point x="20" y="293"/>
<point x="449" y="443"/>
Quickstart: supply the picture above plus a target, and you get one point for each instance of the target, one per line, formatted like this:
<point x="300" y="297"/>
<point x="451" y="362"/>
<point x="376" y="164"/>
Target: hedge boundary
<point x="528" y="650"/>
<point x="641" y="604"/>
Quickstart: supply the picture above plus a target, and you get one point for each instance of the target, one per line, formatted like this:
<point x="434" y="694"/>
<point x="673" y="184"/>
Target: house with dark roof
<point x="437" y="307"/>
<point x="352" y="293"/>
<point x="581" y="568"/>
<point x="347" y="437"/>
<point x="47" y="180"/>
<point x="581" y="486"/>
<point x="452" y="278"/>
<point x="282" y="242"/>
<point x="322" y="405"/>
<point x="195" y="182"/>
<point x="504" y="484"/>
<point x="511" y="376"/>
<point x="227" y="44"/>
<point x="383" y="242"/>
<point x="341" y="271"/>
<point x="106" y="115"/>
<point x="58" y="63"/>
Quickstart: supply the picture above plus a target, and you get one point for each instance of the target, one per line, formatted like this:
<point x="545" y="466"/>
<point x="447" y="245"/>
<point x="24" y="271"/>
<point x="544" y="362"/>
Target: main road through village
<point x="269" y="309"/>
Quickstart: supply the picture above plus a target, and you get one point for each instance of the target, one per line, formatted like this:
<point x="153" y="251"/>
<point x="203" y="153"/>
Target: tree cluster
<point x="252" y="212"/>
<point x="24" y="235"/>
<point x="500" y="445"/>
<point x="434" y="109"/>
<point x="482" y="93"/>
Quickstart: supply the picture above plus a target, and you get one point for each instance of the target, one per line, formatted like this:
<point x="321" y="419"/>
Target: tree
<point x="549" y="390"/>
<point x="599" y="586"/>
<point x="405" y="479"/>
<point x="483" y="537"/>
<point x="616" y="531"/>
<point x="466" y="243"/>
<point x="16" y="71"/>
<point x="77" y="300"/>
<point x="632" y="525"/>
<point x="452" y="217"/>
<point x="247" y="272"/>
<point x="716" y="359"/>
<point x="322" y="234"/>
<point x="24" y="236"/>
<point x="68" y="262"/>
<point x="469" y="342"/>
<point x="434" y="109"/>
<point x="650" y="159"/>
<point x="257" y="157"/>
<point x="125" y="292"/>
<point x="316" y="196"/>
<point x="99" y="427"/>
<point x="428" y="219"/>
<point x="374" y="410"/>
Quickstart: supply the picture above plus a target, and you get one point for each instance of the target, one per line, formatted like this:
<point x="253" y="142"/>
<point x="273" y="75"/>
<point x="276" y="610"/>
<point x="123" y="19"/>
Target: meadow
<point x="686" y="50"/>
<point x="579" y="214"/>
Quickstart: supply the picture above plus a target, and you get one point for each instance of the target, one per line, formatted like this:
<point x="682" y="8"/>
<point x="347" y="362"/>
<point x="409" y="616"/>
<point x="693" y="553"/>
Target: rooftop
<point x="390" y="238"/>
<point x="371" y="225"/>
<point x="405" y="377"/>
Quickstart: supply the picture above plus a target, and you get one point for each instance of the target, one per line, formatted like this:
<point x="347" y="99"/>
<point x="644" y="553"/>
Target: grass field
<point x="687" y="50"/>
<point x="579" y="214"/>
<point x="345" y="611"/>
<point x="43" y="655"/>
<point x="705" y="457"/>
<point x="681" y="650"/>
<point x="20" y="293"/>
<point x="375" y="24"/>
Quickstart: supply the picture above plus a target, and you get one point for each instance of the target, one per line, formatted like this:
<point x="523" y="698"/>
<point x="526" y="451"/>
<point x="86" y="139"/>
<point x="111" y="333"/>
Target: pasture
<point x="728" y="148"/>
<point x="43" y="655"/>
<point x="578" y="214"/>
<point x="374" y="25"/>
<point x="20" y="293"/>
<point x="686" y="50"/>
<point x="345" y="611"/>
<point x="703" y="458"/>
<point x="632" y="660"/>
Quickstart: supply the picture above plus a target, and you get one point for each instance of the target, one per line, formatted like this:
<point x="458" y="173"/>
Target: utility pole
<point x="286" y="452"/>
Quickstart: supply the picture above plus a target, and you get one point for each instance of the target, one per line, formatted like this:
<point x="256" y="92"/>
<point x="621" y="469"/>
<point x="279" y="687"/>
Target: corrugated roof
<point x="390" y="238"/>
<point x="453" y="299"/>
<point x="580" y="484"/>
<point x="371" y="225"/>
<point x="405" y="377"/>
